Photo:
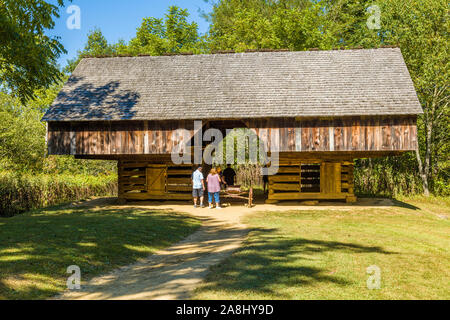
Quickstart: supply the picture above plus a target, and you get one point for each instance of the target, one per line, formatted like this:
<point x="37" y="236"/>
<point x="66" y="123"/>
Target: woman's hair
<point x="218" y="169"/>
<point x="213" y="171"/>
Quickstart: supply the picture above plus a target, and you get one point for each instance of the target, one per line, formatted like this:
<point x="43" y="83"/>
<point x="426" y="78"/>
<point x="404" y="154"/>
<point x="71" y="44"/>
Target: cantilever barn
<point x="329" y="107"/>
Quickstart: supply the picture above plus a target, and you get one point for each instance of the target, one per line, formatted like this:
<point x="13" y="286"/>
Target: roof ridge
<point x="217" y="52"/>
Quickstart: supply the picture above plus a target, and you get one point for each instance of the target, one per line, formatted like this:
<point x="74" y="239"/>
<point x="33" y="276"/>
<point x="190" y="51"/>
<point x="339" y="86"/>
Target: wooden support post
<point x="351" y="185"/>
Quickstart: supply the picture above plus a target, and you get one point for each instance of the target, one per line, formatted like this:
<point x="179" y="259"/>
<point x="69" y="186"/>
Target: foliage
<point x="27" y="55"/>
<point x="22" y="135"/>
<point x="28" y="177"/>
<point x="257" y="24"/>
<point x="22" y="138"/>
<point x="96" y="43"/>
<point x="23" y="192"/>
<point x="418" y="27"/>
<point x="70" y="165"/>
<point x="172" y="34"/>
<point x="155" y="36"/>
<point x="379" y="177"/>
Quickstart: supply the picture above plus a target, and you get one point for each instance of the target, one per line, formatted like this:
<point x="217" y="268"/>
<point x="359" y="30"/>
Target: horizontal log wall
<point x="151" y="137"/>
<point x="146" y="180"/>
<point x="312" y="180"/>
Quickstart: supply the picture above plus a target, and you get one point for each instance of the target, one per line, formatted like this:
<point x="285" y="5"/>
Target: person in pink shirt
<point x="213" y="181"/>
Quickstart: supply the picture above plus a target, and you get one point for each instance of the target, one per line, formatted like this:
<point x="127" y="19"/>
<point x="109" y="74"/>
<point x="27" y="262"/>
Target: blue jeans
<point x="216" y="197"/>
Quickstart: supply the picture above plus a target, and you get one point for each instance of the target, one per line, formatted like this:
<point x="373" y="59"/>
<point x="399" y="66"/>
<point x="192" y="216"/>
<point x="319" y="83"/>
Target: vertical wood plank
<point x="107" y="137"/>
<point x="331" y="135"/>
<point x="337" y="177"/>
<point x="355" y="135"/>
<point x="386" y="131"/>
<point x="305" y="137"/>
<point x="119" y="133"/>
<point x="316" y="136"/>
<point x="347" y="134"/>
<point x="291" y="140"/>
<point x="378" y="135"/>
<point x="113" y="139"/>
<point x="298" y="138"/>
<point x="413" y="134"/>
<point x="146" y="139"/>
<point x="73" y="142"/>
<point x="264" y="139"/>
<point x="338" y="135"/>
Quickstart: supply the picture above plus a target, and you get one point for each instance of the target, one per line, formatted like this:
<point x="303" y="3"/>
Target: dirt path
<point x="174" y="272"/>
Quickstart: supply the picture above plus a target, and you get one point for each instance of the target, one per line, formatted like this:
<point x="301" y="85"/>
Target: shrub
<point x="23" y="192"/>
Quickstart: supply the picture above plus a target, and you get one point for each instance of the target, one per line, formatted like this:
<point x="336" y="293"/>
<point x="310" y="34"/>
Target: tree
<point x="420" y="29"/>
<point x="155" y="36"/>
<point x="259" y="24"/>
<point x="172" y="34"/>
<point x="22" y="134"/>
<point x="96" y="45"/>
<point x="27" y="56"/>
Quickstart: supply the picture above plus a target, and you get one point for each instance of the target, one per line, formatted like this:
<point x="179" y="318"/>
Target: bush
<point x="23" y="192"/>
<point x="387" y="177"/>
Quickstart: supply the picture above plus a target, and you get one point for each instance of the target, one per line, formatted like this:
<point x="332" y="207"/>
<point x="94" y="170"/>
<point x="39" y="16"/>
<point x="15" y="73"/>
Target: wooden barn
<point x="327" y="107"/>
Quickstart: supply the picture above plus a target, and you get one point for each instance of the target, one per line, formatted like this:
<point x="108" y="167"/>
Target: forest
<point x="31" y="78"/>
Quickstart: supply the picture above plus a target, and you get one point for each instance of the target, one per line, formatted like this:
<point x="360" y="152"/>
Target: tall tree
<point x="257" y="24"/>
<point x="96" y="45"/>
<point x="27" y="55"/>
<point x="22" y="134"/>
<point x="171" y="34"/>
<point x="420" y="29"/>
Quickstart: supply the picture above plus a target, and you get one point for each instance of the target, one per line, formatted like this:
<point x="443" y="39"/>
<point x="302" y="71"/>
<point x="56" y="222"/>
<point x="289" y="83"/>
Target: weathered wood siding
<point x="152" y="137"/>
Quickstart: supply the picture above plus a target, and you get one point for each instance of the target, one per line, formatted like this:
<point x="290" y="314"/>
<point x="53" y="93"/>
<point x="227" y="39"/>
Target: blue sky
<point x="118" y="19"/>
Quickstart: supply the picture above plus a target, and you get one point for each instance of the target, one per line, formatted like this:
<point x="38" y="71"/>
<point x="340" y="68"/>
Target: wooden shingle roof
<point x="238" y="85"/>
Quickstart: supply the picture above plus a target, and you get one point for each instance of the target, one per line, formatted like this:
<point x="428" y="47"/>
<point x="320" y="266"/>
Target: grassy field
<point x="37" y="247"/>
<point x="324" y="255"/>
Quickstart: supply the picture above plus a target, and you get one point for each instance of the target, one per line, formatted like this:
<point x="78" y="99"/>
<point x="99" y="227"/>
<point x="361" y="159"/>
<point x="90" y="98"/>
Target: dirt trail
<point x="174" y="272"/>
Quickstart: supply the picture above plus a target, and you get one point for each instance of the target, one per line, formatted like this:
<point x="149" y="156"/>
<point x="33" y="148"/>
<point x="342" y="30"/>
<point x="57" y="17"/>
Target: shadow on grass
<point x="260" y="200"/>
<point x="36" y="249"/>
<point x="405" y="205"/>
<point x="269" y="262"/>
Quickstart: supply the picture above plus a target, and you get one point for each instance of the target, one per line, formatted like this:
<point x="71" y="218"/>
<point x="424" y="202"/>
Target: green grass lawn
<point x="324" y="255"/>
<point x="36" y="248"/>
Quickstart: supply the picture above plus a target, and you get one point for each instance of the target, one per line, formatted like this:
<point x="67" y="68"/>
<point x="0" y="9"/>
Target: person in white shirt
<point x="198" y="186"/>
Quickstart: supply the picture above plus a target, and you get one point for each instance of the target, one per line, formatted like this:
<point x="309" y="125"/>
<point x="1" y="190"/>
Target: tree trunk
<point x="426" y="191"/>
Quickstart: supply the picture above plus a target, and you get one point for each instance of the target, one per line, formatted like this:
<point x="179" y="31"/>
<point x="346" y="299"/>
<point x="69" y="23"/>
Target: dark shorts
<point x="197" y="193"/>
